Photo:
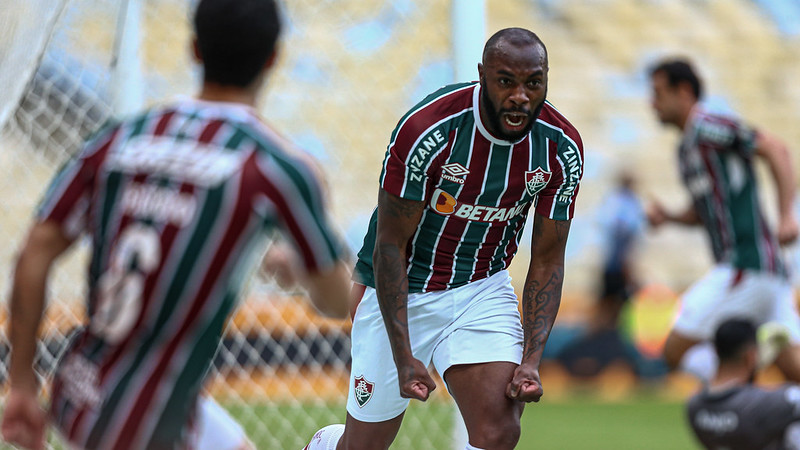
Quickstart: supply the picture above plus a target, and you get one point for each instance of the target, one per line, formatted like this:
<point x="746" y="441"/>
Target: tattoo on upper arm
<point x="558" y="229"/>
<point x="400" y="208"/>
<point x="562" y="230"/>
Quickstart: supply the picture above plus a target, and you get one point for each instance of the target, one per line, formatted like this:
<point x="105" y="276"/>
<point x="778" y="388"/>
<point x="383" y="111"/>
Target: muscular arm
<point x="44" y="244"/>
<point x="777" y="156"/>
<point x="328" y="290"/>
<point x="397" y="221"/>
<point x="541" y="298"/>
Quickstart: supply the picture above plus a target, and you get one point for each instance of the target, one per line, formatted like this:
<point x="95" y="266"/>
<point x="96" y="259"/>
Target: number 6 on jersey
<point x="136" y="254"/>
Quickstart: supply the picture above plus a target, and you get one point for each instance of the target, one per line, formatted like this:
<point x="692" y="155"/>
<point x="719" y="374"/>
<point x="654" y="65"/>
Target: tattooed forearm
<point x="392" y="286"/>
<point x="541" y="300"/>
<point x="397" y="221"/>
<point x="542" y="294"/>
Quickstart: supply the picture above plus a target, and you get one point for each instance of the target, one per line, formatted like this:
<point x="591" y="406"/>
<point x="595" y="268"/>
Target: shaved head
<point x="513" y="78"/>
<point x="498" y="44"/>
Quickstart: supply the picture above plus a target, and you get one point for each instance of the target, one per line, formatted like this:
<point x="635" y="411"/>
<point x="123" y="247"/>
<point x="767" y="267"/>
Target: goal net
<point x="347" y="70"/>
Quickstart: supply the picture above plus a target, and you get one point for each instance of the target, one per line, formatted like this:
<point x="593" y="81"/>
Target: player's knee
<point x="373" y="442"/>
<point x="497" y="435"/>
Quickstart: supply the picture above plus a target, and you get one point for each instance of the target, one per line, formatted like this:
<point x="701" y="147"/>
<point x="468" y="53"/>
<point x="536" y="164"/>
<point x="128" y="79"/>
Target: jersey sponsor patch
<point x="363" y="390"/>
<point x="536" y="180"/>
<point x="445" y="204"/>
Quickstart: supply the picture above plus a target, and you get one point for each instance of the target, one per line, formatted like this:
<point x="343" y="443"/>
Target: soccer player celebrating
<point x="174" y="201"/>
<point x="462" y="171"/>
<point x="716" y="157"/>
<point x="731" y="412"/>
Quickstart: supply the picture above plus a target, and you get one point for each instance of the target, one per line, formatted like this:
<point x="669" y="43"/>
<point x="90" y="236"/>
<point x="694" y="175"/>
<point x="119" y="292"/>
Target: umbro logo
<point x="453" y="172"/>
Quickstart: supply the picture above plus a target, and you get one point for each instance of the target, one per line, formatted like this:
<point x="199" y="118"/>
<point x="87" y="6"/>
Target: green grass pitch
<point x="641" y="422"/>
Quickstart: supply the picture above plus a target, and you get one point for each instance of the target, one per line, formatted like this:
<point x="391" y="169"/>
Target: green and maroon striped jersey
<point x="715" y="158"/>
<point x="175" y="202"/>
<point x="477" y="188"/>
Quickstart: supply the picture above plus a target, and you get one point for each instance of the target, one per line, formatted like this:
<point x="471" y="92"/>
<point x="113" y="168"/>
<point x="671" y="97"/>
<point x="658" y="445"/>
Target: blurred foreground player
<point x="462" y="171"/>
<point x="732" y="413"/>
<point x="716" y="160"/>
<point x="175" y="202"/>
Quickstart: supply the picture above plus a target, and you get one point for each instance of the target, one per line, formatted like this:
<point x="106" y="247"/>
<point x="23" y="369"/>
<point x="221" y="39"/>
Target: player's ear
<point x="751" y="356"/>
<point x="480" y="71"/>
<point x="271" y="60"/>
<point x="196" y="50"/>
<point x="685" y="88"/>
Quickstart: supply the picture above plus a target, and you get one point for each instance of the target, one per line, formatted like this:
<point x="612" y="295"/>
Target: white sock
<point x="326" y="438"/>
<point x="700" y="361"/>
<point x="469" y="447"/>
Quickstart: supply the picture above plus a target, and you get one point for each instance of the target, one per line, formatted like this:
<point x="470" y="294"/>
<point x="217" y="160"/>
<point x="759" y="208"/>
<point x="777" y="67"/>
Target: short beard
<point x="494" y="118"/>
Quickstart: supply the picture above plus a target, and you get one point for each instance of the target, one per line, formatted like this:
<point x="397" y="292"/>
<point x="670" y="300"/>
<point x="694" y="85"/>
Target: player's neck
<point x="683" y="120"/>
<point x="728" y="377"/>
<point x="214" y="92"/>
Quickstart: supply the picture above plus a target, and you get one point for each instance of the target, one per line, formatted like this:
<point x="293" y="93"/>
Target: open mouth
<point x="514" y="120"/>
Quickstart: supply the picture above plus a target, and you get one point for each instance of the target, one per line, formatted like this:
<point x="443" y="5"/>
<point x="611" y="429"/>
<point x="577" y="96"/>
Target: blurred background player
<point x="462" y="170"/>
<point x="604" y="341"/>
<point x="623" y="220"/>
<point x="733" y="413"/>
<point x="716" y="156"/>
<point x="175" y="201"/>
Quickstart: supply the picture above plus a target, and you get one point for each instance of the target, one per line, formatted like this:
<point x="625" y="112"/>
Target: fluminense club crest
<point x="363" y="390"/>
<point x="535" y="180"/>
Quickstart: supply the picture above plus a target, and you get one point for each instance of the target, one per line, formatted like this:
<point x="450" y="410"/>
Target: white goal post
<point x="281" y="370"/>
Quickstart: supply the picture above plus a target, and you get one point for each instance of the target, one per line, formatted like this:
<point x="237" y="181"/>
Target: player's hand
<point x="525" y="386"/>
<point x="788" y="230"/>
<point x="24" y="422"/>
<point x="281" y="262"/>
<point x="415" y="381"/>
<point x="656" y="215"/>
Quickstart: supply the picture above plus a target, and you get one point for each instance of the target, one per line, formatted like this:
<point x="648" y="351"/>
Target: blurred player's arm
<point x="44" y="244"/>
<point x="541" y="298"/>
<point x="397" y="221"/>
<point x="657" y="215"/>
<point x="328" y="290"/>
<point x="23" y="421"/>
<point x="779" y="160"/>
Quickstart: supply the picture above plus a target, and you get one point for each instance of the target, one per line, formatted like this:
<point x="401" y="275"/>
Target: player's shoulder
<point x="707" y="117"/>
<point x="551" y="118"/>
<point x="788" y="393"/>
<point x="444" y="102"/>
<point x="275" y="152"/>
<point x="456" y="92"/>
<point x="716" y="128"/>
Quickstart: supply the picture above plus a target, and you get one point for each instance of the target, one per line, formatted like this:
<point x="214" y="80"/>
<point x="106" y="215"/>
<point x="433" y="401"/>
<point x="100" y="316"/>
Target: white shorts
<point x="475" y="323"/>
<point x="216" y="429"/>
<point x="726" y="292"/>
